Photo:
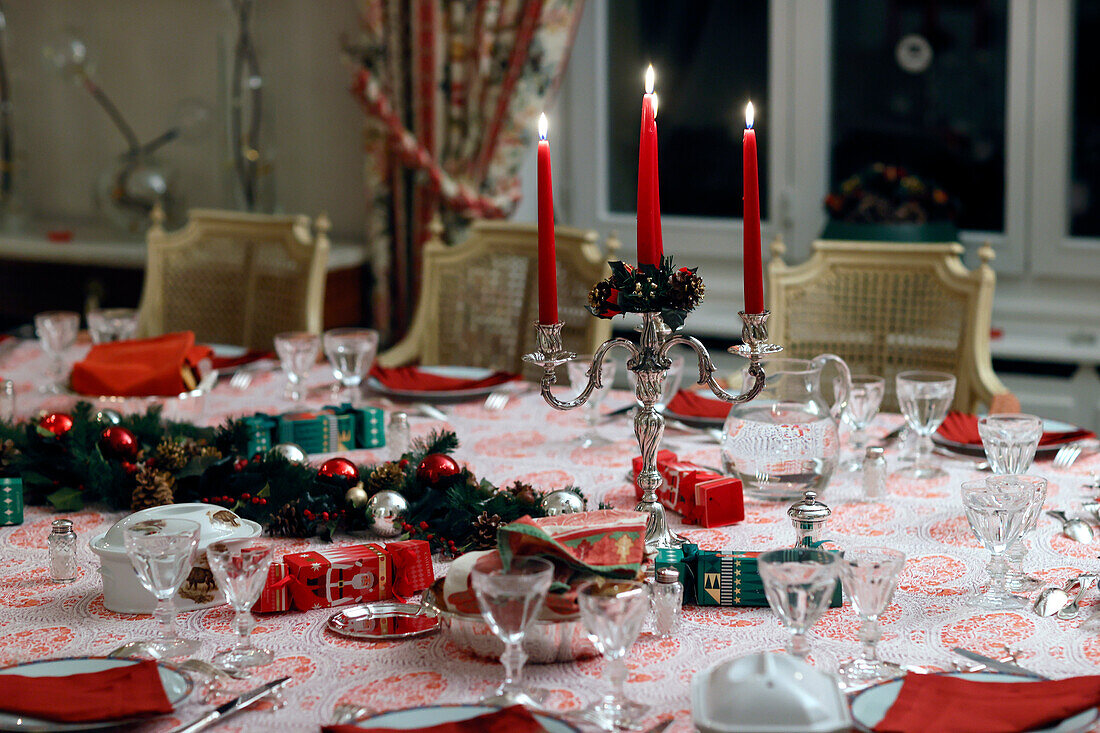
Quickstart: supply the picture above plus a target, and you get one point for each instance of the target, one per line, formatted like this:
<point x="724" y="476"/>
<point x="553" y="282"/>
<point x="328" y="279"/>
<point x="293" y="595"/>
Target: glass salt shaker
<point x="62" y="542"/>
<point x="874" y="474"/>
<point x="668" y="600"/>
<point x="398" y="436"/>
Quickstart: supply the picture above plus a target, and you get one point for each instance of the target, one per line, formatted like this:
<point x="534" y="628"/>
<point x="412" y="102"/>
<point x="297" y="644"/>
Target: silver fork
<point x="1066" y="455"/>
<point x="241" y="379"/>
<point x="497" y="399"/>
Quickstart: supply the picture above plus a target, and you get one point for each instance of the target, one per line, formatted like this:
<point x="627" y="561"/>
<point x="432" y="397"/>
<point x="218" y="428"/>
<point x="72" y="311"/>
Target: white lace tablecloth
<point x="531" y="442"/>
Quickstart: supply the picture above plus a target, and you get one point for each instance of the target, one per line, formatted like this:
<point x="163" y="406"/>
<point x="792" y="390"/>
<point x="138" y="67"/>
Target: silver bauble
<point x="292" y="452"/>
<point x="386" y="510"/>
<point x="562" y="501"/>
<point x="357" y="496"/>
<point x="107" y="416"/>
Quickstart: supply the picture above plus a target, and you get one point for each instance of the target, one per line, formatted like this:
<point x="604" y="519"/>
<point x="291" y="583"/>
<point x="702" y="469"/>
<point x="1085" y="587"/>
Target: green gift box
<point x="318" y="432"/>
<point x="260" y="428"/>
<point x="370" y="424"/>
<point x="727" y="578"/>
<point x="11" y="500"/>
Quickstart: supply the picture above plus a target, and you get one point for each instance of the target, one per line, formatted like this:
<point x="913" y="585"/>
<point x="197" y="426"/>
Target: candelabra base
<point x="658" y="535"/>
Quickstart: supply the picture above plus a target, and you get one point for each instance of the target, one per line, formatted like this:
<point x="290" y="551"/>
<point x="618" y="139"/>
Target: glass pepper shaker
<point x="398" y="436"/>
<point x="62" y="542"/>
<point x="808" y="517"/>
<point x="668" y="601"/>
<point x="874" y="474"/>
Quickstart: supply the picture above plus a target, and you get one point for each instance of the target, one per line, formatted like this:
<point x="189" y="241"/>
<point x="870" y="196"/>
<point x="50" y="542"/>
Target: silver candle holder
<point x="649" y="361"/>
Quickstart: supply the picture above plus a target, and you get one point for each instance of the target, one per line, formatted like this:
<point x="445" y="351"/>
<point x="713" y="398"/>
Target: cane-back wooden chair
<point x="478" y="301"/>
<point x="887" y="307"/>
<point x="235" y="278"/>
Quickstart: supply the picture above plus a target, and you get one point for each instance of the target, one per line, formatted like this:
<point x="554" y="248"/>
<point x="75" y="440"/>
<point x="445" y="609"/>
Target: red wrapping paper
<point x="698" y="494"/>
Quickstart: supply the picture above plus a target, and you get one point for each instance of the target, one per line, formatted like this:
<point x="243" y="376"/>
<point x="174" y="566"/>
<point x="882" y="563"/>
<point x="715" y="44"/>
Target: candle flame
<point x="656" y="104"/>
<point x="749" y="116"/>
<point x="543" y="126"/>
<point x="649" y="76"/>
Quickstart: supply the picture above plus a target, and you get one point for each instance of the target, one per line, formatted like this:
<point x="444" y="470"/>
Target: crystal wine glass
<point x="297" y="352"/>
<point x="924" y="398"/>
<point x="1010" y="441"/>
<point x="996" y="514"/>
<point x="112" y="324"/>
<point x="799" y="582"/>
<point x="870" y="575"/>
<point x="578" y="379"/>
<point x="510" y="599"/>
<point x="613" y="612"/>
<point x="351" y="352"/>
<point x="162" y="551"/>
<point x="56" y="332"/>
<point x="240" y="570"/>
<point x="864" y="400"/>
<point x="1016" y="580"/>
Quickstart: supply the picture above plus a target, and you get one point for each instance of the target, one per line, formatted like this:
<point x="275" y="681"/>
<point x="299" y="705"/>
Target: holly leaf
<point x="673" y="318"/>
<point x="66" y="499"/>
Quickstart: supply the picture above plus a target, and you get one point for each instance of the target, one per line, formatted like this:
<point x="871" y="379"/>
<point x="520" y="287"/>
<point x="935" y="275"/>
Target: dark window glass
<point x="922" y="85"/>
<point x="1084" y="199"/>
<point x="711" y="58"/>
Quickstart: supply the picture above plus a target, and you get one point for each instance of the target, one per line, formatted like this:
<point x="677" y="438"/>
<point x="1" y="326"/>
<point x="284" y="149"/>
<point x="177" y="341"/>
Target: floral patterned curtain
<point x="451" y="90"/>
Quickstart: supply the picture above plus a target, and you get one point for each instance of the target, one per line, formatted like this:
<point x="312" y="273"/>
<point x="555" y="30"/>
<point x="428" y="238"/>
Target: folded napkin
<point x="960" y="427"/>
<point x="692" y="404"/>
<point x="413" y="379"/>
<point x="161" y="366"/>
<point x="130" y="691"/>
<point x="947" y="704"/>
<point x="515" y="719"/>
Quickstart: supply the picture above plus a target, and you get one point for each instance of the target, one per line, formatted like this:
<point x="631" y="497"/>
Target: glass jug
<point x="786" y="440"/>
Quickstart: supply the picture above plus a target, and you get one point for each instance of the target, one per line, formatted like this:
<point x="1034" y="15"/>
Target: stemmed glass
<point x="1010" y="441"/>
<point x="924" y="398"/>
<point x="112" y="324"/>
<point x="799" y="583"/>
<point x="297" y="352"/>
<point x="162" y="551"/>
<point x="864" y="400"/>
<point x="1016" y="580"/>
<point x="870" y="575"/>
<point x="510" y="599"/>
<point x="996" y="514"/>
<point x="351" y="352"/>
<point x="56" y="332"/>
<point x="613" y="611"/>
<point x="578" y="379"/>
<point x="240" y="570"/>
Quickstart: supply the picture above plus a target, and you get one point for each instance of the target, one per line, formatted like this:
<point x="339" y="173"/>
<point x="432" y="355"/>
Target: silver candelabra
<point x="649" y="361"/>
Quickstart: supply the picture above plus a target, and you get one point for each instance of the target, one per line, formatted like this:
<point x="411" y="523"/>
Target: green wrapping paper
<point x="329" y="430"/>
<point x="11" y="501"/>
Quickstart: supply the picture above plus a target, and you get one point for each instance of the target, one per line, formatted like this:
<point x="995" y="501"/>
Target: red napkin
<point x="516" y="719"/>
<point x="961" y="427"/>
<point x="159" y="366"/>
<point x="412" y="379"/>
<point x="953" y="705"/>
<point x="130" y="691"/>
<point x="692" y="404"/>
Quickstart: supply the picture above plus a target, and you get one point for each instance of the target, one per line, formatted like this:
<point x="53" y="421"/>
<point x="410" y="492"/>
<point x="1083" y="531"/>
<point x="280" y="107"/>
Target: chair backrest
<point x="236" y="278"/>
<point x="886" y="307"/>
<point x="478" y="303"/>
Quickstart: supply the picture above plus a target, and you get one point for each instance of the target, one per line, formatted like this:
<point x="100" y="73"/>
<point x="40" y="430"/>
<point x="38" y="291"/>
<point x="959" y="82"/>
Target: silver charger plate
<point x="413" y="718"/>
<point x="383" y="621"/>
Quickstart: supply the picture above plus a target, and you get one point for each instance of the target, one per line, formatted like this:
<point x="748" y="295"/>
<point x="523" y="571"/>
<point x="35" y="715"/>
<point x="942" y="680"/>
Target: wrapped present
<point x="369" y="424"/>
<point x="697" y="493"/>
<point x="11" y="500"/>
<point x="260" y="429"/>
<point x="609" y="542"/>
<point x="317" y="432"/>
<point x="276" y="593"/>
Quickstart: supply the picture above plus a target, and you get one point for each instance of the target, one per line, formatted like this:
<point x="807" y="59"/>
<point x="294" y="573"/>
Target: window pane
<point x="711" y="58"/>
<point x="1084" y="200"/>
<point x="922" y="85"/>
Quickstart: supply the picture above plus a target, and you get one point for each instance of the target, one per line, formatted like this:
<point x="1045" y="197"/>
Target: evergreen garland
<point x="672" y="292"/>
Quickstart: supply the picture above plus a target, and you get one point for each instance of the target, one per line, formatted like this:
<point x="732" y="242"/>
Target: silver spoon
<point x="1052" y="600"/>
<point x="1075" y="529"/>
<point x="1071" y="609"/>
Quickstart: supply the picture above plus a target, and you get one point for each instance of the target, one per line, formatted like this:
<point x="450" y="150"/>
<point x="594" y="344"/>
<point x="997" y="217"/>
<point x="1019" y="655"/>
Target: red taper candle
<point x="548" y="273"/>
<point x="754" y="271"/>
<point x="649" y="215"/>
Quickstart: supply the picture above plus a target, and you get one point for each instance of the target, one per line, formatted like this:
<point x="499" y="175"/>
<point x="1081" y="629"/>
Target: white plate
<point x="454" y="372"/>
<point x="1043" y="451"/>
<point x="177" y="686"/>
<point x="869" y="707"/>
<point x="695" y="421"/>
<point x="436" y="714"/>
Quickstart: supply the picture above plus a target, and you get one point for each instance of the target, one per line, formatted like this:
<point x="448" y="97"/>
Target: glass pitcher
<point x="786" y="440"/>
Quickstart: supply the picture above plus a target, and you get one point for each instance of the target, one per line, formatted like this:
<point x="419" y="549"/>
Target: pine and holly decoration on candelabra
<point x="673" y="292"/>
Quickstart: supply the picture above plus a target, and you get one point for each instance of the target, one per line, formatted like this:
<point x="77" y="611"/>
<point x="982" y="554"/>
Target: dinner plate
<point x="441" y="395"/>
<point x="383" y="621"/>
<point x="869" y="706"/>
<point x="176" y="685"/>
<point x="436" y="714"/>
<point x="1043" y="451"/>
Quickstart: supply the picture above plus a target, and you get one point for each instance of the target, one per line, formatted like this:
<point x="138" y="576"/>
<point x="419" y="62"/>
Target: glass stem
<point x="165" y="614"/>
<point x="859" y="440"/>
<point x="997" y="570"/>
<point x="615" y="672"/>
<point x="513" y="659"/>
<point x="869" y="634"/>
<point x="798" y="645"/>
<point x="245" y="623"/>
<point x="924" y="450"/>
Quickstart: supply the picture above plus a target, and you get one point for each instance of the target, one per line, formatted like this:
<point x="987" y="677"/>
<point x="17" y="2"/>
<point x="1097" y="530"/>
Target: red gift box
<point x="698" y="494"/>
<point x="276" y="594"/>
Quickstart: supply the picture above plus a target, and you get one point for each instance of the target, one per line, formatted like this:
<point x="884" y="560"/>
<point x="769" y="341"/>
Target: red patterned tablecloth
<point x="529" y="441"/>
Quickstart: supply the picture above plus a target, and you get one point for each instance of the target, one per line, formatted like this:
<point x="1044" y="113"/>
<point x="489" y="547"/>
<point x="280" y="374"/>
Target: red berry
<point x="403" y="463"/>
<point x="246" y="496"/>
<point x="240" y="464"/>
<point x="324" y="516"/>
<point x="423" y="525"/>
<point x="307" y="514"/>
<point x="255" y="500"/>
<point x="263" y="502"/>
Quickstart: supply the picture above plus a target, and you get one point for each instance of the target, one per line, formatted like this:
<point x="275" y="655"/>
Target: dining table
<point x="529" y="441"/>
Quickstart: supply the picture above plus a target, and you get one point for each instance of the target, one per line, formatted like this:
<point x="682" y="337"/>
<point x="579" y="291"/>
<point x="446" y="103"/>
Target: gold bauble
<point x="357" y="496"/>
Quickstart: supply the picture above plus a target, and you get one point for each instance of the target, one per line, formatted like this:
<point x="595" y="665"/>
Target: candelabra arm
<point x="707" y="369"/>
<point x="549" y="378"/>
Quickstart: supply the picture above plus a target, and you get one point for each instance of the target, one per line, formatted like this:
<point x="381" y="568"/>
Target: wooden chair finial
<point x="613" y="244"/>
<point x="986" y="253"/>
<point x="777" y="248"/>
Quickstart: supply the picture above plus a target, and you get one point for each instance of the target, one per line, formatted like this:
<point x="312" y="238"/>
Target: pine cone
<point x="288" y="522"/>
<point x="8" y="452"/>
<point x="524" y="493"/>
<point x="209" y="451"/>
<point x="485" y="531"/>
<point x="384" y="476"/>
<point x="170" y="455"/>
<point x="599" y="293"/>
<point x="686" y="289"/>
<point x="153" y="487"/>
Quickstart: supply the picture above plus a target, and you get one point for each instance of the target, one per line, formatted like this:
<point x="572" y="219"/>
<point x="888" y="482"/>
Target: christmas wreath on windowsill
<point x="673" y="292"/>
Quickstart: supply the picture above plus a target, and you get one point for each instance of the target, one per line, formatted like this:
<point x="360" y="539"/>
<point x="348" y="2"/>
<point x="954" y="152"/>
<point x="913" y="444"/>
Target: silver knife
<point x="429" y="411"/>
<point x="237" y="703"/>
<point x="995" y="664"/>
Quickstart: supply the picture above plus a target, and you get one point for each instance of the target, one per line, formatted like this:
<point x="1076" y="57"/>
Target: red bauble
<point x="57" y="423"/>
<point x="339" y="469"/>
<point x="436" y="467"/>
<point x="119" y="442"/>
